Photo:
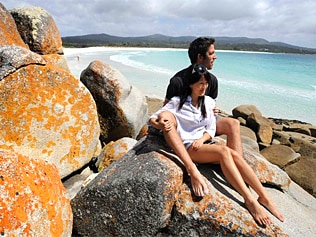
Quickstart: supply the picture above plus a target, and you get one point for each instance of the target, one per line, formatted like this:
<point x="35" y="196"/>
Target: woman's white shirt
<point x="191" y="124"/>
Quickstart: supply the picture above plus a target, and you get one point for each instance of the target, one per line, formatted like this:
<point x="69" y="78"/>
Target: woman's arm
<point x="158" y="120"/>
<point x="199" y="142"/>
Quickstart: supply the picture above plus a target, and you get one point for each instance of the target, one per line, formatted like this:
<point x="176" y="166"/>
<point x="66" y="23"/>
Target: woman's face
<point x="198" y="88"/>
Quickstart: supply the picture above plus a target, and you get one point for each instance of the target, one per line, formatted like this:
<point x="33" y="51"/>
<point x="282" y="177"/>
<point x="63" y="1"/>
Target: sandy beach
<point x="153" y="104"/>
<point x="151" y="75"/>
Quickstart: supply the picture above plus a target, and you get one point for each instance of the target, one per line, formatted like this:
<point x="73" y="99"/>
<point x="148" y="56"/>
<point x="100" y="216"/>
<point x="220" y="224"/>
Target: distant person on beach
<point x="201" y="51"/>
<point x="196" y="125"/>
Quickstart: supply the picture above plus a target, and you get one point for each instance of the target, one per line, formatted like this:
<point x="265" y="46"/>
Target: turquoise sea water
<point x="280" y="85"/>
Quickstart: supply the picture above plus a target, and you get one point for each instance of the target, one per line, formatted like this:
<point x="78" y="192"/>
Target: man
<point x="202" y="51"/>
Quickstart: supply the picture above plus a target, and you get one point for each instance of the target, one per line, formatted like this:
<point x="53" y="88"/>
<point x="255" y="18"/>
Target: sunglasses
<point x="199" y="69"/>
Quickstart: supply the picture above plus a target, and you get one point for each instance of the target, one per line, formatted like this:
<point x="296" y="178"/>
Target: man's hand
<point x="216" y="110"/>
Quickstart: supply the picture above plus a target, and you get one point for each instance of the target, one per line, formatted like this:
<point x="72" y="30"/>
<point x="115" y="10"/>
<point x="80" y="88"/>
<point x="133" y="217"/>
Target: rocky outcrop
<point x="303" y="173"/>
<point x="76" y="182"/>
<point x="244" y="111"/>
<point x="146" y="193"/>
<point x="57" y="60"/>
<point x="261" y="126"/>
<point x="47" y="112"/>
<point x="9" y="34"/>
<point x="133" y="197"/>
<point x="122" y="108"/>
<point x="110" y="153"/>
<point x="282" y="141"/>
<point x="302" y="128"/>
<point x="38" y="30"/>
<point x="114" y="151"/>
<point x="280" y="155"/>
<point x="49" y="119"/>
<point x="14" y="57"/>
<point x="248" y="132"/>
<point x="33" y="199"/>
<point x="301" y="143"/>
<point x="254" y="120"/>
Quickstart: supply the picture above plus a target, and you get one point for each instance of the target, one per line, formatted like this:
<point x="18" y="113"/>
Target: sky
<point x="287" y="21"/>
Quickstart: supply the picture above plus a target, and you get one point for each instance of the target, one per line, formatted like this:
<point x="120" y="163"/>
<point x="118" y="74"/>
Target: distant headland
<point x="163" y="41"/>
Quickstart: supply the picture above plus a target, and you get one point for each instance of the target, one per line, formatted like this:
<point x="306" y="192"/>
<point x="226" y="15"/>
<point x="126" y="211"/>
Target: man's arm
<point x="213" y="87"/>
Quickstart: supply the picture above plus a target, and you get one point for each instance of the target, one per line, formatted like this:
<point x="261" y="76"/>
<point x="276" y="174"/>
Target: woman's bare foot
<point x="198" y="183"/>
<point x="271" y="207"/>
<point x="258" y="212"/>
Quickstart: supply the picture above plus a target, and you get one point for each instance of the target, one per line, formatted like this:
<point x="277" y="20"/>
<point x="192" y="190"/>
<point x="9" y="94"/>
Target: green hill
<point x="163" y="41"/>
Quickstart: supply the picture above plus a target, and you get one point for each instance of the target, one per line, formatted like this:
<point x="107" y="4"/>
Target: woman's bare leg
<point x="231" y="128"/>
<point x="252" y="180"/>
<point x="223" y="156"/>
<point x="174" y="141"/>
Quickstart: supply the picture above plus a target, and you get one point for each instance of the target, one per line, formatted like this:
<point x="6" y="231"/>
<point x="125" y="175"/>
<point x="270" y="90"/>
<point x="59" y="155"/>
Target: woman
<point x="196" y="125"/>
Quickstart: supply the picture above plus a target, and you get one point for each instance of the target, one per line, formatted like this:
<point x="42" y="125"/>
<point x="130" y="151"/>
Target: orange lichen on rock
<point x="38" y="29"/>
<point x="9" y="33"/>
<point x="57" y="60"/>
<point x="173" y="184"/>
<point x="45" y="109"/>
<point x="33" y="200"/>
<point x="114" y="151"/>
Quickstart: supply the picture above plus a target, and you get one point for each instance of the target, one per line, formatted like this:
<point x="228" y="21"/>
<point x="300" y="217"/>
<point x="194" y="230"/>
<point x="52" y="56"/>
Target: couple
<point x="188" y="123"/>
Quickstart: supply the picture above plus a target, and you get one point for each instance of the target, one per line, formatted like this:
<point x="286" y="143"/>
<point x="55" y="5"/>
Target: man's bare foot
<point x="258" y="212"/>
<point x="199" y="184"/>
<point x="271" y="208"/>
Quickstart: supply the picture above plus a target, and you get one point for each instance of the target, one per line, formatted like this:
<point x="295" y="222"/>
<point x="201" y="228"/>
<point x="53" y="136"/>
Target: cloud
<point x="287" y="21"/>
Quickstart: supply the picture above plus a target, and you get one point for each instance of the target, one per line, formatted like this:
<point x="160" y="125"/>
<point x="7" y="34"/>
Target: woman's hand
<point x="165" y="124"/>
<point x="162" y="124"/>
<point x="197" y="144"/>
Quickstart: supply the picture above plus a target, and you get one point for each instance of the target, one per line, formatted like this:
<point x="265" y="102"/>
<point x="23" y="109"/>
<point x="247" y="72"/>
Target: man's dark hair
<point x="199" y="46"/>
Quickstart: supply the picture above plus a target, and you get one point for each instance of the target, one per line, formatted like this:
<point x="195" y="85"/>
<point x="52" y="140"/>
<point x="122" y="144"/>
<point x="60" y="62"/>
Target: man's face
<point x="209" y="60"/>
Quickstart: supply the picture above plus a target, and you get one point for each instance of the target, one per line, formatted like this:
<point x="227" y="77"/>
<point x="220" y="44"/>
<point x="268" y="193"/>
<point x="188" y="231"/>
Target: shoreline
<point x="137" y="77"/>
<point x="126" y="48"/>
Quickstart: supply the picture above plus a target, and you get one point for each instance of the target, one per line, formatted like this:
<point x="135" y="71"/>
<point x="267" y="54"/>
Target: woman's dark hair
<point x="198" y="70"/>
<point x="199" y="46"/>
